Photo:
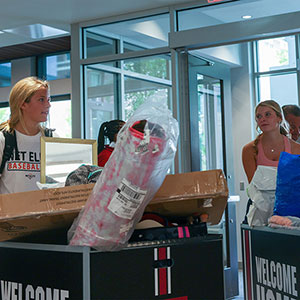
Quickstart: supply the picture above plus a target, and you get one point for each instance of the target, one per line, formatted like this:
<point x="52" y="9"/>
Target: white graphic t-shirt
<point x="22" y="171"/>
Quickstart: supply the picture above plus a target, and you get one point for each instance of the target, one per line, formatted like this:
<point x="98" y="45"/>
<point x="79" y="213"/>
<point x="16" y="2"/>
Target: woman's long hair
<point x="21" y="92"/>
<point x="108" y="130"/>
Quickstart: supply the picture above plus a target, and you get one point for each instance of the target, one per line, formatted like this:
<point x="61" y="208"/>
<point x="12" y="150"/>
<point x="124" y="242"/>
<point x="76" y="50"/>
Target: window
<point x="60" y="116"/>
<point x="276" y="71"/>
<point x="138" y="91"/>
<point x="4" y="111"/>
<point x="58" y="66"/>
<point x="116" y="92"/>
<point x="100" y="99"/>
<point x="276" y="54"/>
<point x="5" y="74"/>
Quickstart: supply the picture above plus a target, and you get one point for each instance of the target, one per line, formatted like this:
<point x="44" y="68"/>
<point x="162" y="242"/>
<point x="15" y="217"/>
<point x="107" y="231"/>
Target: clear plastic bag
<point x="145" y="148"/>
<point x="262" y="193"/>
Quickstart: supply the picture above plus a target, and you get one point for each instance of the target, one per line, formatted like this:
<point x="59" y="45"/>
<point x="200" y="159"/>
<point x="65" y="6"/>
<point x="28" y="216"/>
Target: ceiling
<point x="20" y="14"/>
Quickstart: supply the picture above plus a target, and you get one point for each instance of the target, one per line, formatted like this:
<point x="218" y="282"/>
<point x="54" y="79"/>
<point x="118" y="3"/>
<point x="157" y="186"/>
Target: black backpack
<point x="11" y="144"/>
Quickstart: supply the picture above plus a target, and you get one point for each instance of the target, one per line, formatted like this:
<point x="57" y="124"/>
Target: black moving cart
<point x="178" y="269"/>
<point x="271" y="263"/>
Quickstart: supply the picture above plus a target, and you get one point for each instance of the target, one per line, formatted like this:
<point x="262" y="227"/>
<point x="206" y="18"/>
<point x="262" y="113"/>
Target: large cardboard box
<point x="22" y="214"/>
<point x="184" y="194"/>
<point x="192" y="193"/>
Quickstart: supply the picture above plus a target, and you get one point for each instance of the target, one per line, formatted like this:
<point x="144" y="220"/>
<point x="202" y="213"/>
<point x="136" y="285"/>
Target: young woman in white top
<point x="29" y="102"/>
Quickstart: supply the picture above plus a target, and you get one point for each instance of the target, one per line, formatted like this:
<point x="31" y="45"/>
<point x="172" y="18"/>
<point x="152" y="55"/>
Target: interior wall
<point x="229" y="54"/>
<point x="20" y="68"/>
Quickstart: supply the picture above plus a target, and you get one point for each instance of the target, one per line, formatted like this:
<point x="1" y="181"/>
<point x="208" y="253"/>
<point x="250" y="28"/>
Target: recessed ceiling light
<point x="246" y="17"/>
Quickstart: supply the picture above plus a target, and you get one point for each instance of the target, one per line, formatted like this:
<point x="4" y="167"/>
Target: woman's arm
<point x="249" y="160"/>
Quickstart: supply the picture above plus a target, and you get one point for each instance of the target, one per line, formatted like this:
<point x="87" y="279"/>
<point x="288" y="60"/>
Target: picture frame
<point x="60" y="156"/>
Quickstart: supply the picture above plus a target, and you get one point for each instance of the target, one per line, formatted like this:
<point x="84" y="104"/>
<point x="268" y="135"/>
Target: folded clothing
<point x="286" y="222"/>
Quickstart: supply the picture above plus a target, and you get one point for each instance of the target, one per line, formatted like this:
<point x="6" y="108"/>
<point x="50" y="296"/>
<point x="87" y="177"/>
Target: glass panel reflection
<point x="276" y="54"/>
<point x="137" y="34"/>
<point x="100" y="102"/>
<point x="156" y="66"/>
<point x="282" y="88"/>
<point x="138" y="91"/>
<point x="58" y="66"/>
<point x="5" y="74"/>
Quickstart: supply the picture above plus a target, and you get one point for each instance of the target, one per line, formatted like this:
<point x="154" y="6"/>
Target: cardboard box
<point x="192" y="193"/>
<point x="24" y="213"/>
<point x="184" y="194"/>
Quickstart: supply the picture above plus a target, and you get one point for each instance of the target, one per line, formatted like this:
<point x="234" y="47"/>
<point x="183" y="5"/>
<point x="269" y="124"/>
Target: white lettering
<point x="14" y="288"/>
<point x="294" y="281"/>
<point x="268" y="274"/>
<point x="273" y="277"/>
<point x="258" y="268"/>
<point x="64" y="295"/>
<point x="29" y="292"/>
<point x="279" y="276"/>
<point x="262" y="293"/>
<point x="14" y="291"/>
<point x="39" y="293"/>
<point x="270" y="295"/>
<point x="286" y="276"/>
<point x="264" y="271"/>
<point x="20" y="291"/>
<point x="5" y="290"/>
<point x="49" y="294"/>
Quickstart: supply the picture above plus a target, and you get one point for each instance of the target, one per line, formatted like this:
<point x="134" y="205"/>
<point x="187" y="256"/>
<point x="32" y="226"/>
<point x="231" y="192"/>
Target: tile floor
<point x="241" y="287"/>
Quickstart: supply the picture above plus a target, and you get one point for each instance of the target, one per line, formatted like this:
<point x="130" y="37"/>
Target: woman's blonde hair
<point x="21" y="92"/>
<point x="276" y="107"/>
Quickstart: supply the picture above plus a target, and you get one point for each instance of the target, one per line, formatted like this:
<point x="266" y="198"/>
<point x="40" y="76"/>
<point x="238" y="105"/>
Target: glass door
<point x="208" y="151"/>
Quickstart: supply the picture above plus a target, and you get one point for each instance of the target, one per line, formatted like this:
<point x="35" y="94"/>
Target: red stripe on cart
<point x="178" y="298"/>
<point x="162" y="254"/>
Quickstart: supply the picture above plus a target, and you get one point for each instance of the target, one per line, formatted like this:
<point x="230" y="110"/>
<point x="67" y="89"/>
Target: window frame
<point x="284" y="71"/>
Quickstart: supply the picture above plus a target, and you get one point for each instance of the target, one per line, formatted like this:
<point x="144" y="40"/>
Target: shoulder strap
<point x="10" y="145"/>
<point x="48" y="132"/>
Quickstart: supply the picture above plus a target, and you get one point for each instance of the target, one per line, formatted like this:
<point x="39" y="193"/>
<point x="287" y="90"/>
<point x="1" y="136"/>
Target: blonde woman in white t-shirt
<point x="29" y="102"/>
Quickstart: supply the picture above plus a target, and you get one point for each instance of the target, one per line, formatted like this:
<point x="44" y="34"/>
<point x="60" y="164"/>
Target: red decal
<point x="163" y="281"/>
<point x="178" y="298"/>
<point x="24" y="166"/>
<point x="162" y="254"/>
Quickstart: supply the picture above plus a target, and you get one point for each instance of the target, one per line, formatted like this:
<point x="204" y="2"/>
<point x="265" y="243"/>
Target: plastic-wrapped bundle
<point x="145" y="149"/>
